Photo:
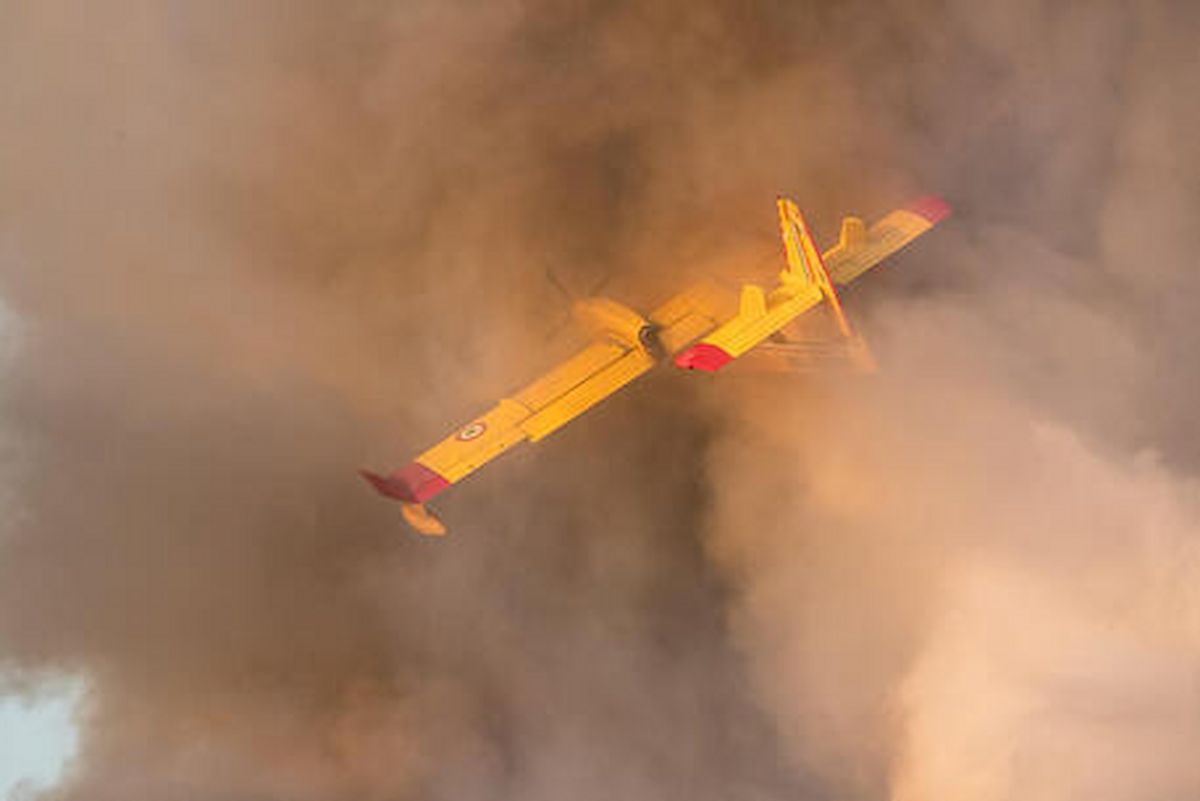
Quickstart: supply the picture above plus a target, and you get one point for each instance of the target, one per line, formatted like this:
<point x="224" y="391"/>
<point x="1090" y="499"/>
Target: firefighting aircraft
<point x="703" y="328"/>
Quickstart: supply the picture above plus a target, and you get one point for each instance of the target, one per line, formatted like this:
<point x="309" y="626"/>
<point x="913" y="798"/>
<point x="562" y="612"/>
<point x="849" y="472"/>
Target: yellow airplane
<point x="703" y="328"/>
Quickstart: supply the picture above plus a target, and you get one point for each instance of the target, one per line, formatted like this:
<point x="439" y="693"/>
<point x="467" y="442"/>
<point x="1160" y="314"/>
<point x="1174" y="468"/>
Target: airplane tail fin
<point x="804" y="264"/>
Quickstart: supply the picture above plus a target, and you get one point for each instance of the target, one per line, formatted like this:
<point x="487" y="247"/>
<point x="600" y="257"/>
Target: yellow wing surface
<point x="548" y="403"/>
<point x="859" y="249"/>
<point x="808" y="279"/>
<point x="696" y="328"/>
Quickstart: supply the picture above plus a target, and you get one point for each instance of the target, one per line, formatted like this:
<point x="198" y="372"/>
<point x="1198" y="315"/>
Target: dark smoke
<point x="246" y="249"/>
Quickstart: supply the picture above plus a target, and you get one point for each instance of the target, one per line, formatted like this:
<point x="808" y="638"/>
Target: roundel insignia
<point x="473" y="431"/>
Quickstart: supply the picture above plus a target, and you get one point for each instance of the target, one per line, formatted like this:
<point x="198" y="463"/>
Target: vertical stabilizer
<point x="805" y="265"/>
<point x="798" y="270"/>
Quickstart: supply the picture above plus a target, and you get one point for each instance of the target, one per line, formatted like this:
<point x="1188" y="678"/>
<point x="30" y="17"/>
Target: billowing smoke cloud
<point x="249" y="249"/>
<point x="975" y="576"/>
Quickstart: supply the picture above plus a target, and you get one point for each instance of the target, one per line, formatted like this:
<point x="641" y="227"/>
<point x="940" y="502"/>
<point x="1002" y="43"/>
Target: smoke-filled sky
<point x="247" y="248"/>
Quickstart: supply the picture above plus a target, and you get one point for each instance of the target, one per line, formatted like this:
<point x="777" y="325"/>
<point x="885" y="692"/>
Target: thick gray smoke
<point x="247" y="248"/>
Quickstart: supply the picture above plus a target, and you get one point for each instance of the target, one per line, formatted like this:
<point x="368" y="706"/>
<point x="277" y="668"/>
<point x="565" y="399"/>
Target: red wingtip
<point x="377" y="481"/>
<point x="703" y="356"/>
<point x="931" y="207"/>
<point x="413" y="483"/>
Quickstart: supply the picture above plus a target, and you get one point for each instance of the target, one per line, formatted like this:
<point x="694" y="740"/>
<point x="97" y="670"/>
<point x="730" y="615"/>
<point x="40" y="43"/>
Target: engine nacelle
<point x="602" y="317"/>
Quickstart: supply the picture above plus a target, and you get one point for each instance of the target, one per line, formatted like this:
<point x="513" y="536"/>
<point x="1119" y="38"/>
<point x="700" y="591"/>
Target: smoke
<point x="975" y="575"/>
<point x="249" y="248"/>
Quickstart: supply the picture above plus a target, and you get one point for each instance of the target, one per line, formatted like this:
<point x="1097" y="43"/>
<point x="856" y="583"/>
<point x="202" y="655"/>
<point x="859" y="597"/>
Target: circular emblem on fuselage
<point x="473" y="431"/>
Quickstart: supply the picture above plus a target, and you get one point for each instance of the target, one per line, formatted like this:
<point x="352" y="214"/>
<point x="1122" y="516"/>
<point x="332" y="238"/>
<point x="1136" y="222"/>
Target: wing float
<point x="698" y="329"/>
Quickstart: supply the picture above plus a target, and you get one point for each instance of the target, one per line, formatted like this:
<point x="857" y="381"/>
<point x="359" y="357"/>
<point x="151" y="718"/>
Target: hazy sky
<point x="39" y="734"/>
<point x="255" y="246"/>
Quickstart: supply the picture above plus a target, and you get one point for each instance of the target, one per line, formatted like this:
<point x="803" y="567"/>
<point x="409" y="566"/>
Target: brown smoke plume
<point x="976" y="576"/>
<point x="247" y="248"/>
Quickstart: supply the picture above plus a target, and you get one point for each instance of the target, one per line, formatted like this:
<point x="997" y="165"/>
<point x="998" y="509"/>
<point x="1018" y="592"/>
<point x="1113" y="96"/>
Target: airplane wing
<point x="803" y="284"/>
<point x="704" y="327"/>
<point x="808" y="280"/>
<point x="547" y="404"/>
<point x="859" y="249"/>
<point x="692" y="314"/>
